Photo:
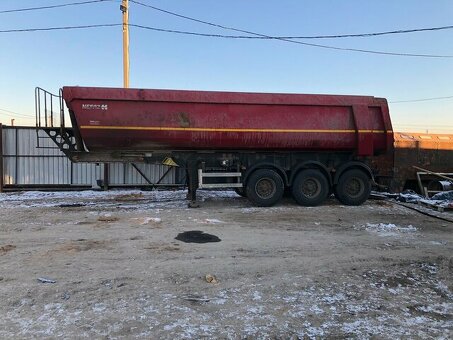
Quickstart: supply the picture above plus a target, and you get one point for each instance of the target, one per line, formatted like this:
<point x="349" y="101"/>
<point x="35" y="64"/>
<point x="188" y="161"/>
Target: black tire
<point x="240" y="191"/>
<point x="353" y="187"/>
<point x="310" y="188"/>
<point x="265" y="187"/>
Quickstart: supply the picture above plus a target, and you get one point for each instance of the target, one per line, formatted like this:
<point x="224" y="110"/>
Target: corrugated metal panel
<point x="9" y="167"/>
<point x="25" y="164"/>
<point x="9" y="141"/>
<point x="84" y="174"/>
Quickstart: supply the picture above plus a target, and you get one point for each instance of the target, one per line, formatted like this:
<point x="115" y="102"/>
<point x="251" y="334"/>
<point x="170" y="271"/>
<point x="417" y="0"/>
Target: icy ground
<point x="375" y="271"/>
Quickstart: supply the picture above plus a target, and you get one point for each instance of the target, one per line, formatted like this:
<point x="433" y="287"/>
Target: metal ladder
<point x="49" y="109"/>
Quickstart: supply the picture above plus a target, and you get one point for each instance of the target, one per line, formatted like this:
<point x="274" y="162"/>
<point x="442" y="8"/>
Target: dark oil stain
<point x="196" y="236"/>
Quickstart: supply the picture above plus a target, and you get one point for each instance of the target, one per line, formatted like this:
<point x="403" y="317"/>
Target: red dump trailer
<point x="261" y="144"/>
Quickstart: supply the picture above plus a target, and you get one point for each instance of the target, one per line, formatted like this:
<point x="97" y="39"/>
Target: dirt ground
<point x="110" y="267"/>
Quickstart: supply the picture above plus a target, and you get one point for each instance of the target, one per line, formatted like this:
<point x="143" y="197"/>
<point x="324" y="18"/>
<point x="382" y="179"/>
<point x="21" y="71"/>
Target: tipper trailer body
<point x="261" y="144"/>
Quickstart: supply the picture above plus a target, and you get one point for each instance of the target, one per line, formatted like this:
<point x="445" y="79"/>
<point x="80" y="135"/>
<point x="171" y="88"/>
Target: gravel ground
<point x="110" y="267"/>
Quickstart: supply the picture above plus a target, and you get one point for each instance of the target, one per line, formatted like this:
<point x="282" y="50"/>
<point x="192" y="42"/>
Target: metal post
<point x="1" y="157"/>
<point x="125" y="9"/>
<point x="16" y="155"/>
<point x="106" y="176"/>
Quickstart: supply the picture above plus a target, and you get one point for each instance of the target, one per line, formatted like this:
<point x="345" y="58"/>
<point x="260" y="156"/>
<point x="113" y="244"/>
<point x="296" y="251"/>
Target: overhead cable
<point x="358" y="35"/>
<point x="420" y="100"/>
<point x="290" y="40"/>
<point x="12" y="113"/>
<point x="52" y="6"/>
<point x="308" y="36"/>
<point x="226" y="36"/>
<point x="372" y="34"/>
<point x="58" y="28"/>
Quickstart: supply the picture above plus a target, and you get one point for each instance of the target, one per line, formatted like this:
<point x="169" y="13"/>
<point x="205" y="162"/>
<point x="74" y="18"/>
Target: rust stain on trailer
<point x="226" y="120"/>
<point x="184" y="121"/>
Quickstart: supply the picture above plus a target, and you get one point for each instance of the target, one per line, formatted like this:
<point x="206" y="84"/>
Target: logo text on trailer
<point x="95" y="107"/>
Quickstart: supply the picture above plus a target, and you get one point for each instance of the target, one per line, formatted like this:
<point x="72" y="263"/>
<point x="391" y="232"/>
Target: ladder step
<point x="220" y="185"/>
<point x="220" y="174"/>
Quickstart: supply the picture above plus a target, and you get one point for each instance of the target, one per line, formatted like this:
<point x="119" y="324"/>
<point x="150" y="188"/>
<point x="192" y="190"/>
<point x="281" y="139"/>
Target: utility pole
<point x="125" y="9"/>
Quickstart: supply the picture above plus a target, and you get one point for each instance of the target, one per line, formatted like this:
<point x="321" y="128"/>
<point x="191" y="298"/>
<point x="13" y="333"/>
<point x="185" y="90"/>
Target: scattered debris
<point x="443" y="196"/>
<point x="440" y="206"/>
<point x="442" y="201"/>
<point x="378" y="195"/>
<point x="161" y="247"/>
<point x="147" y="220"/>
<point x="129" y="197"/>
<point x="196" y="236"/>
<point x="6" y="248"/>
<point x="213" y="221"/>
<point x="74" y="205"/>
<point x="107" y="218"/>
<point x="195" y="298"/>
<point x="211" y="278"/>
<point x="409" y="196"/>
<point x="46" y="280"/>
<point x="65" y="296"/>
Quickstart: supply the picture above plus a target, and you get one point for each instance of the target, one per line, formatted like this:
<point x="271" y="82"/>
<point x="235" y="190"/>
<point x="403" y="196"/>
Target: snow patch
<point x="387" y="229"/>
<point x="213" y="221"/>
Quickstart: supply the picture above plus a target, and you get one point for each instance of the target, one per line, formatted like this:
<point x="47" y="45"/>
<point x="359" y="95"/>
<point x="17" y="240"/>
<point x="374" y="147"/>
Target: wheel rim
<point x="311" y="187"/>
<point x="354" y="187"/>
<point x="265" y="188"/>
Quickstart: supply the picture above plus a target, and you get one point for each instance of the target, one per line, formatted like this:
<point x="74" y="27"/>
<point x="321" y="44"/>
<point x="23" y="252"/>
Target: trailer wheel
<point x="240" y="192"/>
<point x="310" y="188"/>
<point x="265" y="187"/>
<point x="353" y="187"/>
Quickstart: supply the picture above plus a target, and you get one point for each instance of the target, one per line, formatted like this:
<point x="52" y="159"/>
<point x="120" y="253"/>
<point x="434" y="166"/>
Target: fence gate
<point x="23" y="165"/>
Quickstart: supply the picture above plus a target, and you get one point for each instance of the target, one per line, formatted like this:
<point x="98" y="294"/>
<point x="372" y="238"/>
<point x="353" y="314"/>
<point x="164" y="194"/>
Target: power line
<point x="58" y="28"/>
<point x="52" y="6"/>
<point x="304" y="37"/>
<point x="420" y="100"/>
<point x="372" y="34"/>
<point x="297" y="42"/>
<point x="12" y="113"/>
<point x="226" y="36"/>
<point x="421" y="125"/>
<point x="290" y="40"/>
<point x="260" y="36"/>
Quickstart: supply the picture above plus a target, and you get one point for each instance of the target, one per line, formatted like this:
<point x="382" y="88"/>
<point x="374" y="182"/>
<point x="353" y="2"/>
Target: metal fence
<point x="23" y="165"/>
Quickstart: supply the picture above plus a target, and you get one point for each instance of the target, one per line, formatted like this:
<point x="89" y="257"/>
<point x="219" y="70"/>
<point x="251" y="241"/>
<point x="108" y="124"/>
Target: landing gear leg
<point x="192" y="184"/>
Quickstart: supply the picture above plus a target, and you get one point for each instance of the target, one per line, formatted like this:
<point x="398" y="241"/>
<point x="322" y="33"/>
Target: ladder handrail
<point x="63" y="137"/>
<point x="41" y="93"/>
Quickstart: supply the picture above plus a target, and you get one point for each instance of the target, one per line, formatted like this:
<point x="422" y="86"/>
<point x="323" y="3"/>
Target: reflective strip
<point x="159" y="128"/>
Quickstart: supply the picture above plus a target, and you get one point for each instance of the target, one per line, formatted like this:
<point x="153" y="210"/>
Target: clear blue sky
<point x="93" y="57"/>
